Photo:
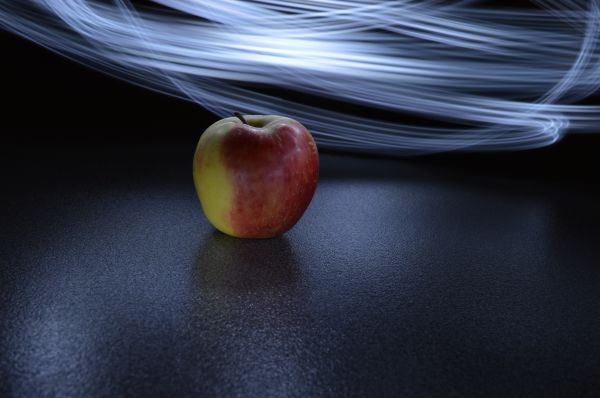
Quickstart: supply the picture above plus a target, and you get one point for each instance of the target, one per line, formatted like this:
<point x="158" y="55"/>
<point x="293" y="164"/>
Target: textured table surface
<point x="404" y="278"/>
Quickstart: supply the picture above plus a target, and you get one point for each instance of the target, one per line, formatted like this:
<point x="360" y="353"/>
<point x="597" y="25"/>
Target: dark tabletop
<point x="404" y="278"/>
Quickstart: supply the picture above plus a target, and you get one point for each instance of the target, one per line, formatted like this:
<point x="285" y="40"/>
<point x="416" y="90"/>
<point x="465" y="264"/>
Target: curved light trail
<point x="493" y="79"/>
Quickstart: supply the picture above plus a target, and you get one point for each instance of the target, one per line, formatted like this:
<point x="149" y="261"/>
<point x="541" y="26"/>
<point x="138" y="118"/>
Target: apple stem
<point x="240" y="116"/>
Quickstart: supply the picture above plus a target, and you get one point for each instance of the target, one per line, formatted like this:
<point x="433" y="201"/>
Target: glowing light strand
<point x="500" y="79"/>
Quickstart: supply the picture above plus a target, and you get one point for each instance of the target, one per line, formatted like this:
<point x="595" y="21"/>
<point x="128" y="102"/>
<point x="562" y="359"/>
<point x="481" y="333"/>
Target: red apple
<point x="255" y="175"/>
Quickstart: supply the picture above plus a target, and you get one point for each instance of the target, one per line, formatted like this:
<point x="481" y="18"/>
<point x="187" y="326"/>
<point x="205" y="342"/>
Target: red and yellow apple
<point x="256" y="174"/>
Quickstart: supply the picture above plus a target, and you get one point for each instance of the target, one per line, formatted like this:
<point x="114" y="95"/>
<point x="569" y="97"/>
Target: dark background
<point x="43" y="90"/>
<point x="456" y="274"/>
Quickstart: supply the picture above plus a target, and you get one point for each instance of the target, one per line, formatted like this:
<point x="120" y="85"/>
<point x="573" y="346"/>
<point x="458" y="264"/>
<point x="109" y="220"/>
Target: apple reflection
<point x="250" y="298"/>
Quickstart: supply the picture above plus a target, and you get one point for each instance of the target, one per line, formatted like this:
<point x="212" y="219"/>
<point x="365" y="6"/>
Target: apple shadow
<point x="246" y="265"/>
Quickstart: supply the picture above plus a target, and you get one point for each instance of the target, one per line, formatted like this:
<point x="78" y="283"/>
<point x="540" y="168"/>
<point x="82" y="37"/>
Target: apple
<point x="255" y="174"/>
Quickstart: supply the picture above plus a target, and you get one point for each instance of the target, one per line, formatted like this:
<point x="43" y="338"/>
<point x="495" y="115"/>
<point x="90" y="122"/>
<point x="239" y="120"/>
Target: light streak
<point x="497" y="79"/>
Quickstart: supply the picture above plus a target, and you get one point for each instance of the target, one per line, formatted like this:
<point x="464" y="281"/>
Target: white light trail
<point x="497" y="79"/>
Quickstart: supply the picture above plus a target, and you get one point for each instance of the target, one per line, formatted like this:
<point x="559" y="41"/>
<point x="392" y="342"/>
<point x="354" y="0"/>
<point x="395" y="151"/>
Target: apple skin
<point x="255" y="180"/>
